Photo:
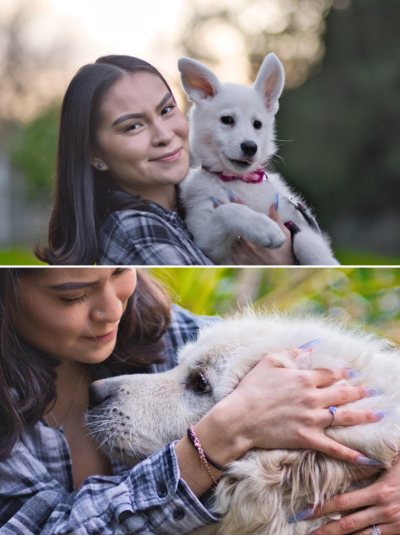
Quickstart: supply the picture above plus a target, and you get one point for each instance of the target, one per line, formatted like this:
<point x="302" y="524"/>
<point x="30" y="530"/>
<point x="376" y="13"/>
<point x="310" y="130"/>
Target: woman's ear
<point x="96" y="161"/>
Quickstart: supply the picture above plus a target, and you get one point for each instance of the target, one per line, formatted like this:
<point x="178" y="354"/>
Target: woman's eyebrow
<point x="141" y="115"/>
<point x="71" y="286"/>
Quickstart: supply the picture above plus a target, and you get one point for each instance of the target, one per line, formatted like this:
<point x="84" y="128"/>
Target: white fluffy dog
<point x="232" y="134"/>
<point x="142" y="413"/>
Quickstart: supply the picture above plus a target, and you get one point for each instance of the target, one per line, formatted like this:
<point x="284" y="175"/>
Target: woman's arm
<point x="150" y="498"/>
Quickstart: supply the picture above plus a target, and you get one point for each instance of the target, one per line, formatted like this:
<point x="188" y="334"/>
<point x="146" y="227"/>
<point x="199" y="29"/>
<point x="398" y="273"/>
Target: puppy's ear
<point x="197" y="80"/>
<point x="270" y="81"/>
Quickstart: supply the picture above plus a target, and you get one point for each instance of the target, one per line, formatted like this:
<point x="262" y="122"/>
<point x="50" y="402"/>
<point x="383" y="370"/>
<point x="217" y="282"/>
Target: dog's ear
<point x="197" y="80"/>
<point x="270" y="81"/>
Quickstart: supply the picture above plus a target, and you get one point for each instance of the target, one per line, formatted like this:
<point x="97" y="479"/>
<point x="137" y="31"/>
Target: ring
<point x="333" y="410"/>
<point x="375" y="531"/>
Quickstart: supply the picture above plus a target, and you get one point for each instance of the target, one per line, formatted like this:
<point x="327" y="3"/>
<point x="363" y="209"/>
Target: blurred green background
<point x="338" y="123"/>
<point x="356" y="296"/>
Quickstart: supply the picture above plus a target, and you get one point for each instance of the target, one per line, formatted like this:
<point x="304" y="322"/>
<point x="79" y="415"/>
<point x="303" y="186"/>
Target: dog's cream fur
<point x="264" y="487"/>
<point x="219" y="148"/>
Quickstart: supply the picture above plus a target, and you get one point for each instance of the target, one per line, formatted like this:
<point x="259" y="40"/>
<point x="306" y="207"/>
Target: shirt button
<point x="179" y="513"/>
<point x="162" y="490"/>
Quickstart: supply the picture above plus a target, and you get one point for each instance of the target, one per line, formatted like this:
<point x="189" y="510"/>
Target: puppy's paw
<point x="267" y="234"/>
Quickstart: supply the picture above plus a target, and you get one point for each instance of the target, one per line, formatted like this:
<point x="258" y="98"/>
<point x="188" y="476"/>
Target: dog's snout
<point x="98" y="392"/>
<point x="249" y="148"/>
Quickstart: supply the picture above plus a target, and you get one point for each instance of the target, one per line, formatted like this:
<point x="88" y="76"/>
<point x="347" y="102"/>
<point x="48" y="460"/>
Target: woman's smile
<point x="170" y="157"/>
<point x="104" y="337"/>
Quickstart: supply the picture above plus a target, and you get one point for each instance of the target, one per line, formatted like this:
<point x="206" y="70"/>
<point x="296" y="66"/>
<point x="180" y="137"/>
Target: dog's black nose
<point x="249" y="148"/>
<point x="98" y="392"/>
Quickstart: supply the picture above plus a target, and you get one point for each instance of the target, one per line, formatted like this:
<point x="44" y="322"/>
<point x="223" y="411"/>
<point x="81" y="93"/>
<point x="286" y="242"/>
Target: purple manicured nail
<point x="301" y="515"/>
<point x="310" y="344"/>
<point x="366" y="460"/>
<point x="378" y="415"/>
<point x="231" y="195"/>
<point x="353" y="374"/>
<point x="215" y="202"/>
<point x="276" y="202"/>
<point x="372" y="392"/>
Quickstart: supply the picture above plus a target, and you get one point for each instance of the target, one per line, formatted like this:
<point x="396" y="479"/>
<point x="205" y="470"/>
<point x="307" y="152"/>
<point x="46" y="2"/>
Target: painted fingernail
<point x="231" y="195"/>
<point x="301" y="515"/>
<point x="372" y="392"/>
<point x="215" y="202"/>
<point x="366" y="460"/>
<point x="310" y="344"/>
<point x="378" y="415"/>
<point x="353" y="374"/>
<point x="276" y="202"/>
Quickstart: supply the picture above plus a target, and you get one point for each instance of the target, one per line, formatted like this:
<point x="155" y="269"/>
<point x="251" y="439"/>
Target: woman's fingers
<point x="232" y="196"/>
<point x="353" y="417"/>
<point x="356" y="522"/>
<point x="326" y="377"/>
<point x="343" y="502"/>
<point x="339" y="451"/>
<point x="338" y="395"/>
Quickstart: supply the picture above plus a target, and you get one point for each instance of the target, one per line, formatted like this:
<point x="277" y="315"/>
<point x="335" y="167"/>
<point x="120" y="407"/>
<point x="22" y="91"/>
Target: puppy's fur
<point x="236" y="149"/>
<point x="264" y="487"/>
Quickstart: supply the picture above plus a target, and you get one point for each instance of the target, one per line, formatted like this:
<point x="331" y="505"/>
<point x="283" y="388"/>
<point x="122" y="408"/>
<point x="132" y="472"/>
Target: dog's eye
<point x="257" y="125"/>
<point x="227" y="119"/>
<point x="199" y="384"/>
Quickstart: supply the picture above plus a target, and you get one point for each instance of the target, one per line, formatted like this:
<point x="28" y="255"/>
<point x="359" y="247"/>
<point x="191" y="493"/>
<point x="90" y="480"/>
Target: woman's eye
<point x="74" y="301"/>
<point x="168" y="109"/>
<point x="121" y="271"/>
<point x="257" y="125"/>
<point x="134" y="126"/>
<point x="227" y="119"/>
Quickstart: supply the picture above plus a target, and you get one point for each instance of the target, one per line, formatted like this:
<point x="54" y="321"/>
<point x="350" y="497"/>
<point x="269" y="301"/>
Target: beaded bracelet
<point x="196" y="443"/>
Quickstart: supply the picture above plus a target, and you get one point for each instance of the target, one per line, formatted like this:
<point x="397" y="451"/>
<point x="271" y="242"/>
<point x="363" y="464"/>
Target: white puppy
<point x="141" y="414"/>
<point x="232" y="134"/>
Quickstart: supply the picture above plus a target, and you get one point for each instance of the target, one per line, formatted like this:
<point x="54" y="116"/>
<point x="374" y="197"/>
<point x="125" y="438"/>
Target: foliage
<point x="18" y="257"/>
<point x="343" y="123"/>
<point x="369" y="296"/>
<point x="34" y="153"/>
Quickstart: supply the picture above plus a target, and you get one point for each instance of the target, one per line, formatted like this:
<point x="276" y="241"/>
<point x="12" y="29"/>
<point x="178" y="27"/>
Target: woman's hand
<point x="274" y="407"/>
<point x="245" y="253"/>
<point x="381" y="508"/>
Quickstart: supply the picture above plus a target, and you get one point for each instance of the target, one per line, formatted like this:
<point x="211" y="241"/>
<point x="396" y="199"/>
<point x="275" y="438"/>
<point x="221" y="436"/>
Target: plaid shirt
<point x="37" y="494"/>
<point x="138" y="238"/>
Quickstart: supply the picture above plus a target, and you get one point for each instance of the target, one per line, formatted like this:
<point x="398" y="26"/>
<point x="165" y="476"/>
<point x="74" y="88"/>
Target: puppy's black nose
<point x="249" y="148"/>
<point x="98" y="392"/>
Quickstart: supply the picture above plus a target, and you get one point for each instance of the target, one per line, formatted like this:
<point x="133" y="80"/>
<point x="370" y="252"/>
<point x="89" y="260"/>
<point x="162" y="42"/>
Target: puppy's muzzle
<point x="99" y="391"/>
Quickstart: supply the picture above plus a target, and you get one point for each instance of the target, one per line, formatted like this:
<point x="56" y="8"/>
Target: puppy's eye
<point x="257" y="125"/>
<point x="199" y="384"/>
<point x="227" y="119"/>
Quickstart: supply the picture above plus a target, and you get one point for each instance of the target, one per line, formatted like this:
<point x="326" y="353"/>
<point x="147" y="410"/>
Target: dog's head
<point x="232" y="126"/>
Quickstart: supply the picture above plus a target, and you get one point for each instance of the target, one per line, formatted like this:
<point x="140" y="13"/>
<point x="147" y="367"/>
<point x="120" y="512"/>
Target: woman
<point x="58" y="332"/>
<point x="123" y="150"/>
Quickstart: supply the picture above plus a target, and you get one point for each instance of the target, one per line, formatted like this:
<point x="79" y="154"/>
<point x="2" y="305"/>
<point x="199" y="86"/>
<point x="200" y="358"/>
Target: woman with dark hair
<point x="123" y="150"/>
<point x="62" y="328"/>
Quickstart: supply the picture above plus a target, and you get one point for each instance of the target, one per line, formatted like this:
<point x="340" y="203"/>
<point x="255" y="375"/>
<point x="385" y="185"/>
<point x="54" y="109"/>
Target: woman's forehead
<point x="134" y="94"/>
<point x="48" y="277"/>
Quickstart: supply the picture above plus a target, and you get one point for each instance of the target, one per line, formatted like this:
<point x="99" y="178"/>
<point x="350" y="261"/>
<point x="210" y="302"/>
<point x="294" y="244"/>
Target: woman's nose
<point x="108" y="310"/>
<point x="162" y="135"/>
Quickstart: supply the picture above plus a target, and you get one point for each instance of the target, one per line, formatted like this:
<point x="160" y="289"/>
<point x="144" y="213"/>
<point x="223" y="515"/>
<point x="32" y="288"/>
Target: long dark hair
<point x="27" y="375"/>
<point x="81" y="192"/>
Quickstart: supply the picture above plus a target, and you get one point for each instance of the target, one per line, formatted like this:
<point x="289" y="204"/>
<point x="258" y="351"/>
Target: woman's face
<point x="73" y="314"/>
<point x="143" y="136"/>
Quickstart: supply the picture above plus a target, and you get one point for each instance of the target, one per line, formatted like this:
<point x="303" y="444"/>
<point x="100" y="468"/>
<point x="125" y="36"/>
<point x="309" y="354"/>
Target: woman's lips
<point x="170" y="157"/>
<point x="104" y="337"/>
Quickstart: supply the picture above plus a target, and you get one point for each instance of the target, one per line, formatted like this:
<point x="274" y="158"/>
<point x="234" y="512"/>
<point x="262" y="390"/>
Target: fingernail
<point x="353" y="374"/>
<point x="310" y="344"/>
<point x="231" y="195"/>
<point x="276" y="202"/>
<point x="366" y="460"/>
<point x="372" y="392"/>
<point x="378" y="415"/>
<point x="301" y="515"/>
<point x="216" y="202"/>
